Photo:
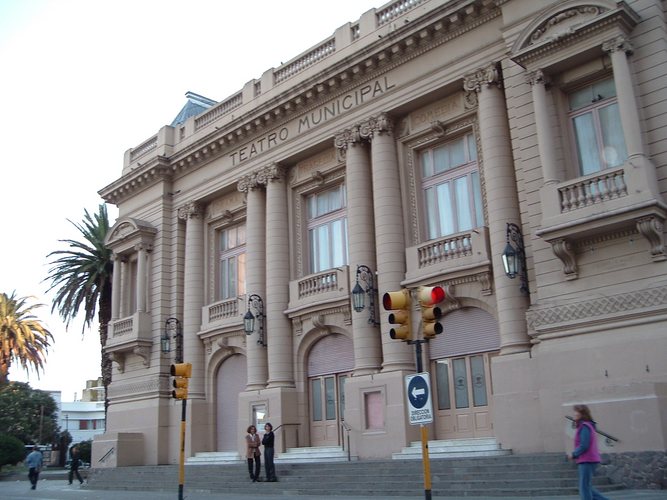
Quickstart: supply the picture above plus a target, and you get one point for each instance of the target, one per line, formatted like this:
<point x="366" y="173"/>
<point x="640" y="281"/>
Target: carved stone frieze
<point x="564" y="250"/>
<point x="618" y="43"/>
<point x="651" y="228"/>
<point x="564" y="23"/>
<point x="593" y="309"/>
<point x="151" y="385"/>
<point x="191" y="210"/>
<point x="483" y="77"/>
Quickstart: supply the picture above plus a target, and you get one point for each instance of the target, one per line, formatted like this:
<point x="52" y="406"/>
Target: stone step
<point x="454" y="448"/>
<point x="315" y="454"/>
<point x="215" y="458"/>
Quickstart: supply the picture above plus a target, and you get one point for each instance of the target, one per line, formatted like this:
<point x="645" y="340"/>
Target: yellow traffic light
<point x="182" y="372"/>
<point x="429" y="297"/>
<point x="399" y="303"/>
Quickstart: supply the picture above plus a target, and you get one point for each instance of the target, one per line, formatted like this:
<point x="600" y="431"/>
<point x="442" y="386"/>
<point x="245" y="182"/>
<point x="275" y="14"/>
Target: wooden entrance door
<point x="463" y="395"/>
<point x="327" y="407"/>
<point x="231" y="381"/>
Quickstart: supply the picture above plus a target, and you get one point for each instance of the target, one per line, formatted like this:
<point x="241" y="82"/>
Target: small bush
<point x="12" y="450"/>
<point x="85" y="450"/>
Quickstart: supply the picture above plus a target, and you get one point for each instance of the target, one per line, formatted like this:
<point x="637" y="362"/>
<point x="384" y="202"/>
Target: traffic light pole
<point x="181" y="458"/>
<point x="426" y="462"/>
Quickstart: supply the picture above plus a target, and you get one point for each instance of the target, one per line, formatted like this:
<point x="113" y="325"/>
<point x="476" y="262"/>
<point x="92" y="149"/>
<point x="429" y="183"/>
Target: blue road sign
<point x="420" y="408"/>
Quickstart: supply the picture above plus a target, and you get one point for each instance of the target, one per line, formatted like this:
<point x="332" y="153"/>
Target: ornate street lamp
<point x="514" y="256"/>
<point x="254" y="302"/>
<point x="365" y="275"/>
<point x="172" y="329"/>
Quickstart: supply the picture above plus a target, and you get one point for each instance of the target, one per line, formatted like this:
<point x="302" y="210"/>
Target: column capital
<point x="346" y="138"/>
<point x="143" y="246"/>
<point x="191" y="210"/>
<point x="538" y="77"/>
<point x="273" y="172"/>
<point x="376" y="125"/>
<point x="620" y="43"/>
<point x="248" y="182"/>
<point x="483" y="77"/>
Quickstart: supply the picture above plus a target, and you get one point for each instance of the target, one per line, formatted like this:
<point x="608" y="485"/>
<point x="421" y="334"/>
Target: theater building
<point x="410" y="147"/>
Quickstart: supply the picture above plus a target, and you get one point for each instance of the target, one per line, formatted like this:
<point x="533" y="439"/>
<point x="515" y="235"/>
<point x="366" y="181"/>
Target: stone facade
<point x="408" y="142"/>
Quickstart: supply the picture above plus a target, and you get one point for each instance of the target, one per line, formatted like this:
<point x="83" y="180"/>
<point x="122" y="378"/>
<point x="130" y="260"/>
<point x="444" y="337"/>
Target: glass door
<point x="327" y="406"/>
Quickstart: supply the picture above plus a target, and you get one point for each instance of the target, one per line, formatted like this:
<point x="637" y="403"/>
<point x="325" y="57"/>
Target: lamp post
<point x="172" y="329"/>
<point x="254" y="302"/>
<point x="514" y="256"/>
<point x="365" y="275"/>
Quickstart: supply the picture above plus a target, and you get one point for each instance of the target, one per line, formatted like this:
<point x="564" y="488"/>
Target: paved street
<point x="52" y="489"/>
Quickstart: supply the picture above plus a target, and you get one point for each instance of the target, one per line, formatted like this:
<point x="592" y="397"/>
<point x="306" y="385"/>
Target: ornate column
<point x="389" y="233"/>
<point x="124" y="288"/>
<point x="361" y="243"/>
<point x="545" y="137"/>
<point x="502" y="202"/>
<point x="141" y="277"/>
<point x="115" y="287"/>
<point x="281" y="367"/>
<point x="255" y="271"/>
<point x="193" y="295"/>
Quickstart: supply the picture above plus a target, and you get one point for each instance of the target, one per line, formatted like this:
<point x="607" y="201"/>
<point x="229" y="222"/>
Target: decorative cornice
<point x="191" y="210"/>
<point x="541" y="318"/>
<point x="619" y="43"/>
<point x="483" y="77"/>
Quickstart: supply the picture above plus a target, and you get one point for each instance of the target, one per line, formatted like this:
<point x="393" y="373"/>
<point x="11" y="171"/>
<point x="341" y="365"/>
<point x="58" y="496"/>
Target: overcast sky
<point x="81" y="81"/>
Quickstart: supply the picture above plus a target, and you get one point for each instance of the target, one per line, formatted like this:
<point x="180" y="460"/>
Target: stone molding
<point x="540" y="318"/>
<point x="318" y="318"/>
<point x="152" y="385"/>
<point x="538" y="77"/>
<point x="191" y="210"/>
<point x="485" y="76"/>
<point x="618" y="43"/>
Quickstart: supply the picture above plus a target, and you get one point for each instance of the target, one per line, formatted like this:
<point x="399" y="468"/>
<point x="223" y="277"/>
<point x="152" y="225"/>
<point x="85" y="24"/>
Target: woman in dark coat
<point x="253" y="453"/>
<point x="268" y="441"/>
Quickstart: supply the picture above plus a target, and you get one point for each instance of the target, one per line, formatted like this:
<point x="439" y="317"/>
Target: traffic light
<point x="399" y="304"/>
<point x="182" y="372"/>
<point x="429" y="297"/>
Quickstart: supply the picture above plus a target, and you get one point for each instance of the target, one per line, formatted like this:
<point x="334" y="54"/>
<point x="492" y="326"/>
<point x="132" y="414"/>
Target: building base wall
<point x="118" y="449"/>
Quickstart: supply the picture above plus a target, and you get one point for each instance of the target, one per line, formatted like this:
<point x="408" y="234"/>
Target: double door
<point x="463" y="396"/>
<point x="327" y="407"/>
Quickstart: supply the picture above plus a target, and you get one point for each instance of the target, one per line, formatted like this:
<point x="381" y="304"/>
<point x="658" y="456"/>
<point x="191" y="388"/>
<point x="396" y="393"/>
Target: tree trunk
<point x="104" y="317"/>
<point x="4" y="371"/>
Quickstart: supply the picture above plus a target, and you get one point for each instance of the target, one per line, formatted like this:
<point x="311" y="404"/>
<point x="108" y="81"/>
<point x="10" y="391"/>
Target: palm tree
<point x="81" y="277"/>
<point x="22" y="336"/>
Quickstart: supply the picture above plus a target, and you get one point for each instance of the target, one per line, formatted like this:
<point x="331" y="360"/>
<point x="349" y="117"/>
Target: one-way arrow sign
<point x="418" y="389"/>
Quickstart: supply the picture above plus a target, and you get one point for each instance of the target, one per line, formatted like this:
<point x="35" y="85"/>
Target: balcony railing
<point x="222" y="313"/>
<point x="290" y="69"/>
<point x="592" y="190"/>
<point x="130" y="329"/>
<point x="143" y="148"/>
<point x="323" y="287"/>
<point x="468" y="250"/>
<point x="395" y="10"/>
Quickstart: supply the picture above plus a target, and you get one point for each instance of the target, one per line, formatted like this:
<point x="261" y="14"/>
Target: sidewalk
<point x="50" y="489"/>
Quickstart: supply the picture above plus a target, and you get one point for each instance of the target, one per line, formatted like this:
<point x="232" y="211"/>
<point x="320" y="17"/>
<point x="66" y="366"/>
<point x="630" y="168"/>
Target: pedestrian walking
<point x="252" y="453"/>
<point x="34" y="463"/>
<point x="267" y="441"/>
<point x="586" y="453"/>
<point x="75" y="463"/>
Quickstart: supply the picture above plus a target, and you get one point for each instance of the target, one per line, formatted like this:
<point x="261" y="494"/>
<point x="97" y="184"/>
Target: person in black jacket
<point x="74" y="464"/>
<point x="268" y="440"/>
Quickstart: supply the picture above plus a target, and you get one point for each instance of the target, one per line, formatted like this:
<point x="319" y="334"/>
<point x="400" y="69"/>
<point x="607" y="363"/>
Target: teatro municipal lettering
<point x="312" y="119"/>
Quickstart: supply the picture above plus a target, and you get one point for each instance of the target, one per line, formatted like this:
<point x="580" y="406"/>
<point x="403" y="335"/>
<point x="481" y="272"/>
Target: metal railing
<point x="346" y="441"/>
<point x="284" y="448"/>
<point x="107" y="454"/>
<point x="608" y="438"/>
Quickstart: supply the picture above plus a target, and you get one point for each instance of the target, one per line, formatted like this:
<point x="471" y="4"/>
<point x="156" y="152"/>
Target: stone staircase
<point x="457" y="448"/>
<point x="215" y="458"/>
<point x="511" y="476"/>
<point x="316" y="454"/>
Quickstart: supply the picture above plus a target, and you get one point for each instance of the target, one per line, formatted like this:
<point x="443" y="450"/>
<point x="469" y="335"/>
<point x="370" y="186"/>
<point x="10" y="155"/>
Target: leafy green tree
<point x="28" y="414"/>
<point x="64" y="440"/>
<point x="81" y="277"/>
<point x="12" y="450"/>
<point x="23" y="337"/>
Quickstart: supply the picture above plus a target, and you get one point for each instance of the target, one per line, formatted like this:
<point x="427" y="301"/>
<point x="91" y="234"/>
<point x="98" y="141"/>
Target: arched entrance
<point x="330" y="362"/>
<point x="461" y="374"/>
<point x="231" y="380"/>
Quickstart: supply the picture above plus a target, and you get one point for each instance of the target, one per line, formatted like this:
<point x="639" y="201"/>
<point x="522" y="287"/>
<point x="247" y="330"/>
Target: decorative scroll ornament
<point x="562" y="248"/>
<point x="191" y="210"/>
<point x="483" y="77"/>
<point x="144" y="352"/>
<point x="538" y="77"/>
<point x="271" y="173"/>
<point x="345" y="138"/>
<point x="651" y="228"/>
<point x="248" y="182"/>
<point x="376" y="125"/>
<point x="619" y="43"/>
<point x="564" y="22"/>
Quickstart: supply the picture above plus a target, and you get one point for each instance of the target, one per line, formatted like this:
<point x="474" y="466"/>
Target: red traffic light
<point x="392" y="301"/>
<point x="431" y="295"/>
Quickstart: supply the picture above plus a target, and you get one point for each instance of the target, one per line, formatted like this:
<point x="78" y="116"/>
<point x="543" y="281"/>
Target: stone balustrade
<point x="229" y="104"/>
<point x="223" y="313"/>
<point x="122" y="327"/>
<point x="394" y="10"/>
<point x="593" y="189"/>
<point x="305" y="61"/>
<point x="467" y="250"/>
<point x="323" y="287"/>
<point x="143" y="148"/>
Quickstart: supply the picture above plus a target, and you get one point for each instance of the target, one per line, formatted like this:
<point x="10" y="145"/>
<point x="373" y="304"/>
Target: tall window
<point x="327" y="229"/>
<point x="231" y="264"/>
<point x="596" y="124"/>
<point x="452" y="192"/>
